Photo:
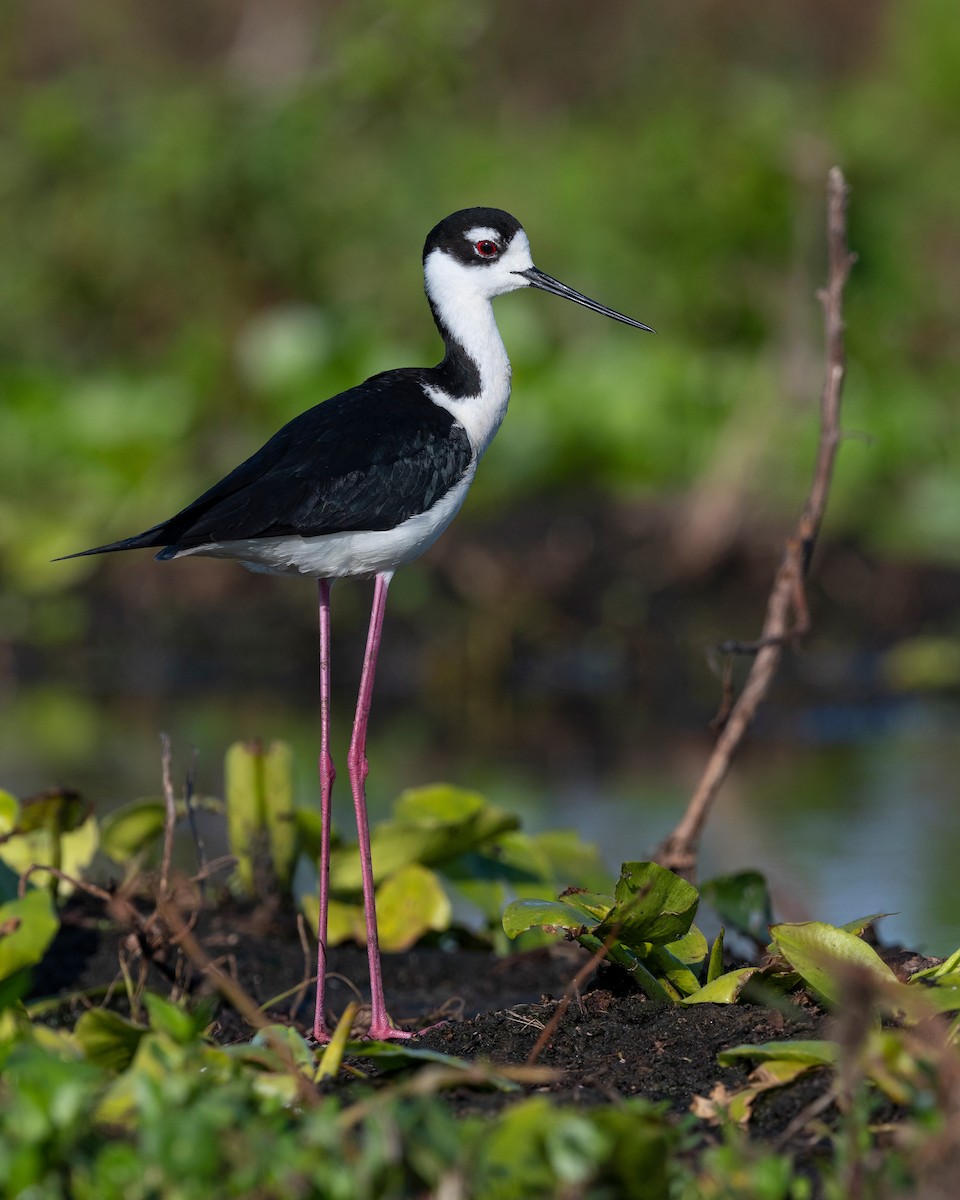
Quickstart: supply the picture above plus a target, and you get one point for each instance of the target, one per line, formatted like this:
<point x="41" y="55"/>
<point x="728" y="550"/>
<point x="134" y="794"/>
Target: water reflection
<point x="864" y="822"/>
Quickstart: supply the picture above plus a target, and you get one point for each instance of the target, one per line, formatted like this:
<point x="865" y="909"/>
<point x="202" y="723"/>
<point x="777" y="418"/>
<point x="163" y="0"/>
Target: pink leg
<point x="327" y="776"/>
<point x="380" y="1026"/>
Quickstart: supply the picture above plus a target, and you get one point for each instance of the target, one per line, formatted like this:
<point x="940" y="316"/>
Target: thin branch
<point x="171" y="815"/>
<point x="786" y="617"/>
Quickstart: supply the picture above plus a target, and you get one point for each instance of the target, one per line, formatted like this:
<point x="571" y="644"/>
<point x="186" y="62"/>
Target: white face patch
<point x="481" y="233"/>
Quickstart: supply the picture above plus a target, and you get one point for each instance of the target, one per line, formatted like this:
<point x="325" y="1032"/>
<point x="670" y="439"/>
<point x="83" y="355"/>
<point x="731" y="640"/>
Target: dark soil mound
<point x="607" y="1044"/>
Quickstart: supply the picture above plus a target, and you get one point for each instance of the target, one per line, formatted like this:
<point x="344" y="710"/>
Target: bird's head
<point x="484" y="252"/>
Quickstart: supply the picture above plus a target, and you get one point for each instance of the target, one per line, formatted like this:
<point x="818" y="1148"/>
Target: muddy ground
<point x="611" y="1042"/>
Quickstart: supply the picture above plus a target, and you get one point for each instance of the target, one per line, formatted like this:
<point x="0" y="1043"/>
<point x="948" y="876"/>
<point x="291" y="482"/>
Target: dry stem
<point x="786" y="616"/>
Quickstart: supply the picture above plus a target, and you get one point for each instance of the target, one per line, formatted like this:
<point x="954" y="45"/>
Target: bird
<point x="363" y="483"/>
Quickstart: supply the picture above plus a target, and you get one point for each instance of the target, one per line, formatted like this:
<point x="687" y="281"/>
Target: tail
<point x="151" y="538"/>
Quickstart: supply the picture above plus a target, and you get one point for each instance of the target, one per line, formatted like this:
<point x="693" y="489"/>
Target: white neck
<point x="465" y="317"/>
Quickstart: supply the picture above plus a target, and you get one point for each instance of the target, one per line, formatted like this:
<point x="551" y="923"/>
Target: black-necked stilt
<point x="366" y="481"/>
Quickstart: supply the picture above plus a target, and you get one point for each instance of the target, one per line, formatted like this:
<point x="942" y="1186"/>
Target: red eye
<point x="487" y="249"/>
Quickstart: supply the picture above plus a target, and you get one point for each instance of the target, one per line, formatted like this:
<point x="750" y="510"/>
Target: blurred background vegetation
<point x="213" y="212"/>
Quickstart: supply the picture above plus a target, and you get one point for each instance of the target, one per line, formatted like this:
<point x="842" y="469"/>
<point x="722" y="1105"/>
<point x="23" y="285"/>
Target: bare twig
<point x="787" y="617"/>
<point x="81" y="884"/>
<point x="171" y="816"/>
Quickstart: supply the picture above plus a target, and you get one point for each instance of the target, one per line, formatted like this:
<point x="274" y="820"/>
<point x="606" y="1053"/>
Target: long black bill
<point x="547" y="283"/>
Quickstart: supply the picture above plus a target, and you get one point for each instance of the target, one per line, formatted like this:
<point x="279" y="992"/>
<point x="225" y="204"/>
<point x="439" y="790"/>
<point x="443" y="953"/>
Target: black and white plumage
<point x="366" y="481"/>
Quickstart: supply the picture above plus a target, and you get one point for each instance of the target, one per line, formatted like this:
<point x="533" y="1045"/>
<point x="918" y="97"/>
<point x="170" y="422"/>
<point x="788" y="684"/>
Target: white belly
<point x="335" y="555"/>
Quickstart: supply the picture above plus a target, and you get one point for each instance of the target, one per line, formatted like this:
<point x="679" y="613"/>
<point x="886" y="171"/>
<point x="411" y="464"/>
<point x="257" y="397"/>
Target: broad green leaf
<point x="107" y="1039"/>
<point x="573" y="862"/>
<point x="9" y="883"/>
<point x="243" y="792"/>
<point x="428" y="840"/>
<point x="821" y="954"/>
<point x="392" y="846"/>
<point x="813" y="1052"/>
<point x="59" y="810"/>
<point x="280" y="812"/>
<point x="666" y="965"/>
<point x="130" y="830"/>
<point x="14" y="987"/>
<point x="715" y="965"/>
<point x="181" y="1024"/>
<point x="393" y="1055"/>
<point x="859" y="927"/>
<point x="725" y="989"/>
<point x="438" y="804"/>
<point x="344" y="921"/>
<point x="592" y="903"/>
<point x="547" y="914"/>
<point x="409" y="904"/>
<point x="271" y="1038"/>
<point x="27" y="927"/>
<point x="71" y="852"/>
<point x="691" y="948"/>
<point x="652" y="904"/>
<point x="520" y="859"/>
<point x="742" y="901"/>
<point x="9" y="813"/>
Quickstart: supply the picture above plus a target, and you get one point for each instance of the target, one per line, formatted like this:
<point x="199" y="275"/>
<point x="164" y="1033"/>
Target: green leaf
<point x="60" y="810"/>
<point x="132" y="829"/>
<point x="409" y="904"/>
<point x="815" y="1053"/>
<point x="14" y="987"/>
<point x="27" y="927"/>
<point x="177" y="1021"/>
<point x="438" y="804"/>
<point x="691" y="948"/>
<point x="651" y="904"/>
<point x="72" y="852"/>
<point x="725" y="989"/>
<point x="9" y="883"/>
<point x="280" y="812"/>
<point x="742" y="901"/>
<point x="553" y="915"/>
<point x="572" y="861"/>
<point x="824" y="955"/>
<point x="332" y="1057"/>
<point x="243" y="792"/>
<point x="107" y="1039"/>
<point x="667" y="966"/>
<point x="859" y="927"/>
<point x="9" y="813"/>
<point x="715" y="965"/>
<point x="273" y="1036"/>
<point x="344" y="921"/>
<point x="393" y="1055"/>
<point x="434" y="825"/>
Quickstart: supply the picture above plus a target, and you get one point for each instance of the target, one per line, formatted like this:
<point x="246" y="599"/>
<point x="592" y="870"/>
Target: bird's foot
<point x="387" y="1033"/>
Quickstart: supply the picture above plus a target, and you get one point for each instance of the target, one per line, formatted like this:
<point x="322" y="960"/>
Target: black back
<point x="366" y="459"/>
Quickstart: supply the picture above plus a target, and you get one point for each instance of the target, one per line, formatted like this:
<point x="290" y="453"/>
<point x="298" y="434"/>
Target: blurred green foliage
<point x="213" y="214"/>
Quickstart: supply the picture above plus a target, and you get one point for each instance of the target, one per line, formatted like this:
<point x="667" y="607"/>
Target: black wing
<point x="366" y="459"/>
